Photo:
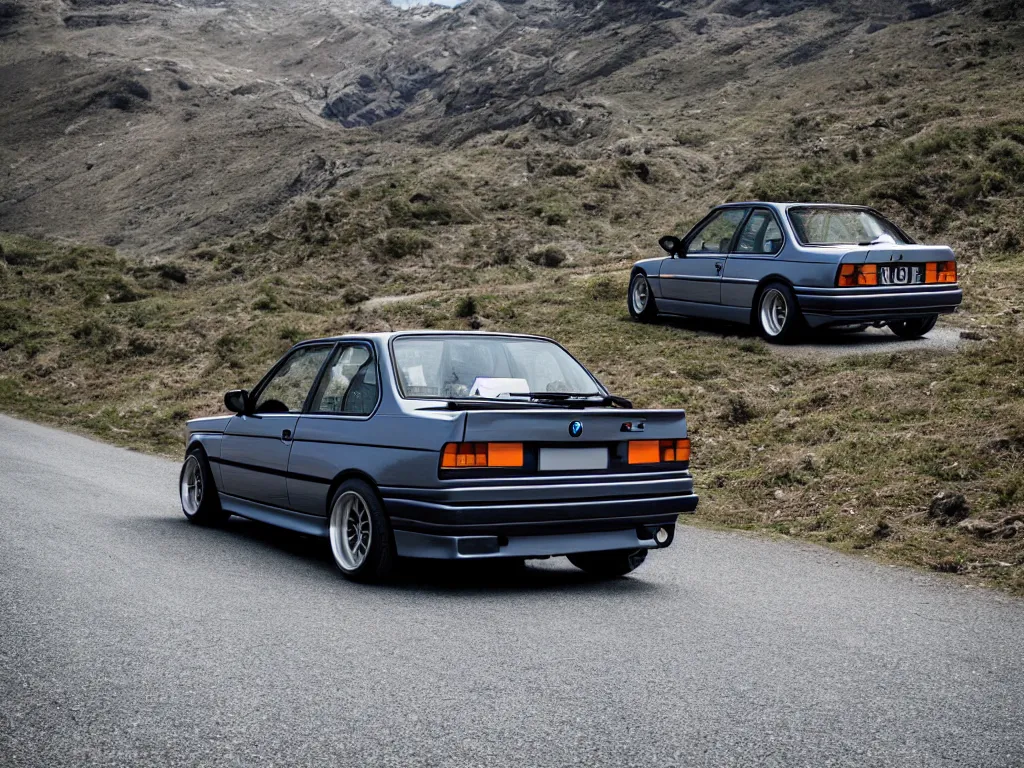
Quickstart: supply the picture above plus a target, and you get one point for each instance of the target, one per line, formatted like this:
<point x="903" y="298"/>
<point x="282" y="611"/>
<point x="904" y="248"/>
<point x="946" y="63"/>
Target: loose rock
<point x="949" y="508"/>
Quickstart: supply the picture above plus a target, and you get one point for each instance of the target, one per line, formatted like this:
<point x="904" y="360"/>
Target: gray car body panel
<point x="810" y="270"/>
<point x="290" y="482"/>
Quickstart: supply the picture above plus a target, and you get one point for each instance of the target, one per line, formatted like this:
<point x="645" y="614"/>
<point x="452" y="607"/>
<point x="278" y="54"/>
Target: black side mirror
<point x="673" y="245"/>
<point x="237" y="401"/>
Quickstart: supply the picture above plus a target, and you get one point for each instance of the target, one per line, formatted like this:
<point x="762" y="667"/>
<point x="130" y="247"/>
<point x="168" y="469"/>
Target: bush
<point x="466" y="307"/>
<point x="267" y="301"/>
<point x="123" y="292"/>
<point x="354" y="294"/>
<point x="96" y="333"/>
<point x="567" y="168"/>
<point x="172" y="272"/>
<point x="547" y="256"/>
<point x="604" y="289"/>
<point x="399" y="244"/>
<point x="1007" y="156"/>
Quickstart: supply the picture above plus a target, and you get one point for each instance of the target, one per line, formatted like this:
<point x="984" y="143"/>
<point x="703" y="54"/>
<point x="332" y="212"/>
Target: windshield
<point x="842" y="226"/>
<point x="486" y="367"/>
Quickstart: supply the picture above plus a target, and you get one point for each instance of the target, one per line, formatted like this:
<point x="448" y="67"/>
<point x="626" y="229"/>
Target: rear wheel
<point x="778" y="317"/>
<point x="608" y="565"/>
<point x="360" y="533"/>
<point x="641" y="299"/>
<point x="914" y="328"/>
<point x="198" y="493"/>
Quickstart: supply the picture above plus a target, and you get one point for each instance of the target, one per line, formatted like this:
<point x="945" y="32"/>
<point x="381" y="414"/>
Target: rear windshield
<point x="486" y="367"/>
<point x="842" y="226"/>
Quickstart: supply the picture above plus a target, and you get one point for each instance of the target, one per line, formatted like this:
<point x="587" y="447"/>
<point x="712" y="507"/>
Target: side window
<point x="349" y="386"/>
<point x="286" y="392"/>
<point x="760" y="235"/>
<point x="716" y="235"/>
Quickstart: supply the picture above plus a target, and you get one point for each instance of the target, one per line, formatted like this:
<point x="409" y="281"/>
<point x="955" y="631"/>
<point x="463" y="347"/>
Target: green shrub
<point x="96" y="333"/>
<point x="567" y="168"/>
<point x="399" y="244"/>
<point x="466" y="307"/>
<point x="123" y="292"/>
<point x="604" y="289"/>
<point x="1007" y="156"/>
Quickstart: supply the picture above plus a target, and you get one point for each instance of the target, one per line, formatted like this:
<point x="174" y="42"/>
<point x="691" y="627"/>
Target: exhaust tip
<point x="662" y="536"/>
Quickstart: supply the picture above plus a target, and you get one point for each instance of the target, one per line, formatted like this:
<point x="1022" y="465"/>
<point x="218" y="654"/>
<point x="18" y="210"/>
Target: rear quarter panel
<point x="794" y="265"/>
<point x="389" y="449"/>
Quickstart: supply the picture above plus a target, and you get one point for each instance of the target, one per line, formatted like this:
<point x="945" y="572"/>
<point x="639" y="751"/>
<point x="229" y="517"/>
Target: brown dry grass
<point x="922" y="119"/>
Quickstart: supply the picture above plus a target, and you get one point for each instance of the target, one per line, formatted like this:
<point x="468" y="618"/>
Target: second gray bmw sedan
<point x="443" y="445"/>
<point x="784" y="266"/>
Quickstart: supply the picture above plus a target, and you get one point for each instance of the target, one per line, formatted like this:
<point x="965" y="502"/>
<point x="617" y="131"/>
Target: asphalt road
<point x="130" y="637"/>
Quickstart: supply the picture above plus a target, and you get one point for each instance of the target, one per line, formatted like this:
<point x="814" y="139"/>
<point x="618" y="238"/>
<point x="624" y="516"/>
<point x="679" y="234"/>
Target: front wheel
<point x="641" y="299"/>
<point x="778" y="317"/>
<point x="198" y="494"/>
<point x="607" y="565"/>
<point x="360" y="533"/>
<point x="914" y="328"/>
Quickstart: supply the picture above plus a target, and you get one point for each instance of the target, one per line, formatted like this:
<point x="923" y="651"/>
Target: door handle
<point x="286" y="435"/>
<point x="718" y="266"/>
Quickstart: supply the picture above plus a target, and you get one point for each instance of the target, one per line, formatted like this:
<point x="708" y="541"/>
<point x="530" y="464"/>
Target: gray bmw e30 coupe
<point x="784" y="266"/>
<point x="444" y="445"/>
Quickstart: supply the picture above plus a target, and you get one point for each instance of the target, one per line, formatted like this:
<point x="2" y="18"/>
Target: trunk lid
<point x="886" y="253"/>
<point x="552" y="425"/>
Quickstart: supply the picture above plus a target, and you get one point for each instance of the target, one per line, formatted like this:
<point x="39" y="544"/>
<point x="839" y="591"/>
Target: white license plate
<point x="900" y="274"/>
<point x="566" y="459"/>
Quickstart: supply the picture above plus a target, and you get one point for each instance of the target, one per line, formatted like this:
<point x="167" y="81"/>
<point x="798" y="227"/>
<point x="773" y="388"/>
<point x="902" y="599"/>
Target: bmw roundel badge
<point x="576" y="428"/>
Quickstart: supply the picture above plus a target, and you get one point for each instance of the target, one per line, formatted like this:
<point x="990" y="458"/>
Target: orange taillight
<point x="940" y="272"/>
<point x="657" y="451"/>
<point x="853" y="275"/>
<point x="476" y="455"/>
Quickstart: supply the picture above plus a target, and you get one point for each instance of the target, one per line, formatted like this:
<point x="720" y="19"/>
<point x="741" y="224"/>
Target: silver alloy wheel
<point x="774" y="311"/>
<point x="640" y="294"/>
<point x="192" y="486"/>
<point x="351" y="530"/>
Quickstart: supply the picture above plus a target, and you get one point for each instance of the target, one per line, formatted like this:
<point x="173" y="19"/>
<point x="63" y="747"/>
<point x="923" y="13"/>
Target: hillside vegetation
<point x="545" y="153"/>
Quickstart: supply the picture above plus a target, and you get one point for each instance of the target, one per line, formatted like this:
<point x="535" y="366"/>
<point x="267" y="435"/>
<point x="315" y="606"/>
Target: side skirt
<point x="309" y="525"/>
<point x="696" y="309"/>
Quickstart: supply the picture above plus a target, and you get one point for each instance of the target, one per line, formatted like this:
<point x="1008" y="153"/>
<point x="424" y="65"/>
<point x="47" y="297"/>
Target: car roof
<point x="783" y="206"/>
<point x="386" y="336"/>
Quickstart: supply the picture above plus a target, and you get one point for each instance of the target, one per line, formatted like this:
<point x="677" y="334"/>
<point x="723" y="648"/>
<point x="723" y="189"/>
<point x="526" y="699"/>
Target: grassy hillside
<point x="532" y="226"/>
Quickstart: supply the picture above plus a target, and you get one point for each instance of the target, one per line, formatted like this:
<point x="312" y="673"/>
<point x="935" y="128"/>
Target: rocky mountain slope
<point x="157" y="126"/>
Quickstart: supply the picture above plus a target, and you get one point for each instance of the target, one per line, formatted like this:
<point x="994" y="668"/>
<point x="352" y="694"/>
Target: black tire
<point x="777" y="316"/>
<point x="366" y="518"/>
<point x="640" y="299"/>
<point x="914" y="328"/>
<point x="608" y="565"/>
<point x="199" y="501"/>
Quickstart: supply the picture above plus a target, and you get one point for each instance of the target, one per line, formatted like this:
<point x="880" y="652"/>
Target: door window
<point x="760" y="235"/>
<point x="286" y="392"/>
<point x="349" y="386"/>
<point x="716" y="236"/>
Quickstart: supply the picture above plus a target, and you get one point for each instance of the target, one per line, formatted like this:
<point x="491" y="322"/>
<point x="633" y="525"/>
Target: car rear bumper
<point x="436" y="547"/>
<point x="542" y="506"/>
<point x="843" y="306"/>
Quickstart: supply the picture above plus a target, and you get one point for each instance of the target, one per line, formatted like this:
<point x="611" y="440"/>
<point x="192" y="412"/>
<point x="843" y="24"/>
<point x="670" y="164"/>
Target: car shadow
<point x="849" y="340"/>
<point x="464" y="578"/>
